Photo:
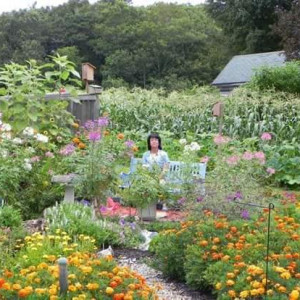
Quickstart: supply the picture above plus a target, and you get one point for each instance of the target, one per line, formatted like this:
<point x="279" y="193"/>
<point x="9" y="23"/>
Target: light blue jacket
<point x="161" y="158"/>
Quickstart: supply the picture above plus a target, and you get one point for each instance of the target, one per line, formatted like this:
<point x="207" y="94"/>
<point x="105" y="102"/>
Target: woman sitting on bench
<point x="155" y="154"/>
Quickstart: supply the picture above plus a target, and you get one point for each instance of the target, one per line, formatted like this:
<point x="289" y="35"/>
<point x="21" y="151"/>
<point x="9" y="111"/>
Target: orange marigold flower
<point x="76" y="140"/>
<point x="2" y="281"/>
<point x="120" y="136"/>
<point x="135" y="149"/>
<point x="106" y="133"/>
<point x="81" y="145"/>
<point x="23" y="293"/>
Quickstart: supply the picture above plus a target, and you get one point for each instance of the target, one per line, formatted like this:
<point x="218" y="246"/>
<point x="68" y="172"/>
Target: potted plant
<point x="144" y="191"/>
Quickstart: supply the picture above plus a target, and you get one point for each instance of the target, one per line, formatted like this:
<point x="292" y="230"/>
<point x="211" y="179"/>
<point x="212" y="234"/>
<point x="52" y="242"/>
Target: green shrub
<point x="10" y="217"/>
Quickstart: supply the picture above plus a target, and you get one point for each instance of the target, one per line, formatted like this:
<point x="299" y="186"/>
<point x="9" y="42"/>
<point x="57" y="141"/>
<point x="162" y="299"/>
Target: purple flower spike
<point x="103" y="122"/>
<point x="200" y="199"/>
<point x="94" y="136"/>
<point x="238" y="195"/>
<point x="122" y="222"/>
<point x="129" y="144"/>
<point x="245" y="214"/>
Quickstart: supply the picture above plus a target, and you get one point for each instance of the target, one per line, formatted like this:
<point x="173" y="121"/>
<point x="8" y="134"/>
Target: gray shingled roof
<point x="241" y="68"/>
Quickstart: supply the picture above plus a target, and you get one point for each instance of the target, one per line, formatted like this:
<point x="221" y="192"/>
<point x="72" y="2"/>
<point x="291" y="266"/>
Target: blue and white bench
<point x="177" y="174"/>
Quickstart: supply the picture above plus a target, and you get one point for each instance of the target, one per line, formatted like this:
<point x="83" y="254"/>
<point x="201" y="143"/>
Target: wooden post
<point x="218" y="111"/>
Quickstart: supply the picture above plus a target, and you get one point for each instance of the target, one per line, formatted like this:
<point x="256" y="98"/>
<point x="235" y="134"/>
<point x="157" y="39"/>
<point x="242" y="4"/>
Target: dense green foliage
<point x="288" y="28"/>
<point x="247" y="23"/>
<point x="169" y="45"/>
<point x="285" y="78"/>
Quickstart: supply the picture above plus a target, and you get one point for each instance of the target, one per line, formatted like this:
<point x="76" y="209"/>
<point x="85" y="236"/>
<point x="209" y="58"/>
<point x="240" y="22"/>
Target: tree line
<point x="163" y="45"/>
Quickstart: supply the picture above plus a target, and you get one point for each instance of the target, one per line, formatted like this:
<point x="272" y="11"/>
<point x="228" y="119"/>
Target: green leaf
<point x="65" y="75"/>
<point x="3" y="91"/>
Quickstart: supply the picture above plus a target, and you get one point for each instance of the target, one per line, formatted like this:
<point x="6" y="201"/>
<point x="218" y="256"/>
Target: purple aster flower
<point x="200" y="199"/>
<point x="129" y="144"/>
<point x="67" y="150"/>
<point x="94" y="136"/>
<point x="238" y="195"/>
<point x="122" y="222"/>
<point x="103" y="122"/>
<point x="181" y="201"/>
<point x="245" y="214"/>
<point x="230" y="198"/>
<point x="103" y="209"/>
<point x="133" y="225"/>
<point x="89" y="124"/>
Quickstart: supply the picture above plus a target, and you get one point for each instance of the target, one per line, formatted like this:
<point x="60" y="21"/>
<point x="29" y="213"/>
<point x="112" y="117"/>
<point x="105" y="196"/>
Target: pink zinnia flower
<point x="232" y="160"/>
<point x="266" y="136"/>
<point x="248" y="155"/>
<point x="260" y="156"/>
<point x="271" y="171"/>
<point x="35" y="159"/>
<point x="220" y="139"/>
<point x="49" y="154"/>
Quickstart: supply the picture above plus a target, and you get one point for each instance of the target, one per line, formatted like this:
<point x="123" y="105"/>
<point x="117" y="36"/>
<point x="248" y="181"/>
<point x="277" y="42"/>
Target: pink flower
<point x="49" y="154"/>
<point x="220" y="139"/>
<point x="271" y="171"/>
<point x="204" y="159"/>
<point x="35" y="159"/>
<point x="94" y="136"/>
<point x="266" y="136"/>
<point x="232" y="160"/>
<point x="260" y="156"/>
<point x="248" y="155"/>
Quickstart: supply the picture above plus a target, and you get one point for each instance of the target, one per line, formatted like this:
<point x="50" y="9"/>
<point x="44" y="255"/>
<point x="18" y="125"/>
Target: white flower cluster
<point x="27" y="164"/>
<point x="5" y="130"/>
<point x="29" y="131"/>
<point x="194" y="146"/>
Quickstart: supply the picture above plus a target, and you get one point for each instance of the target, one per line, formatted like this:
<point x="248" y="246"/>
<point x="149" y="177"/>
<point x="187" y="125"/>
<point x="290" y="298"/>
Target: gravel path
<point x="169" y="289"/>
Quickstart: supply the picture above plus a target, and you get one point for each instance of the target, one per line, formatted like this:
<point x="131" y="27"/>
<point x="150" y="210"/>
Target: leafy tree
<point x="248" y="23"/>
<point x="288" y="28"/>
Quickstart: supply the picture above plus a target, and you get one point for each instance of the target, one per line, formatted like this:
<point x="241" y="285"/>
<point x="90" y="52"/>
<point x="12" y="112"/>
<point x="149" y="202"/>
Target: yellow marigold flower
<point x="230" y="282"/>
<point x="279" y="269"/>
<point x="294" y="295"/>
<point x="37" y="280"/>
<point x="71" y="276"/>
<point x="261" y="290"/>
<point x="72" y="288"/>
<point x="270" y="292"/>
<point x="230" y="275"/>
<point x="285" y="275"/>
<point x="53" y="297"/>
<point x="40" y="291"/>
<point x="81" y="296"/>
<point x="244" y="294"/>
<point x="78" y="285"/>
<point x="53" y="291"/>
<point x="282" y="289"/>
<point x="16" y="287"/>
<point x="231" y="293"/>
<point x="75" y="125"/>
<point x="42" y="266"/>
<point x="255" y="284"/>
<point x="218" y="286"/>
<point x="92" y="286"/>
<point x="109" y="291"/>
<point x="254" y="292"/>
<point x="6" y="286"/>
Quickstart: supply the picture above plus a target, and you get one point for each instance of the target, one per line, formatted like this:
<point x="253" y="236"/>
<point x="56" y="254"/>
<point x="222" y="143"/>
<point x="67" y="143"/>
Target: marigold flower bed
<point x="35" y="272"/>
<point x="230" y="256"/>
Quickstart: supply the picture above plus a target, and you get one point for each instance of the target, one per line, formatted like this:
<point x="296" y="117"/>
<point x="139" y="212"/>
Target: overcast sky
<point x="10" y="5"/>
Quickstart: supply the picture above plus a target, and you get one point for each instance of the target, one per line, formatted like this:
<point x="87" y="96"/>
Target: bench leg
<point x="69" y="193"/>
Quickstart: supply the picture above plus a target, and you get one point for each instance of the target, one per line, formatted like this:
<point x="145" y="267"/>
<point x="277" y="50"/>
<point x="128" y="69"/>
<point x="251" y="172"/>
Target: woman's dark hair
<point x="154" y="136"/>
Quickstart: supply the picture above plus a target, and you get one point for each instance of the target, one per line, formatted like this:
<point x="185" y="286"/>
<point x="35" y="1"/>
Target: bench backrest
<point x="177" y="169"/>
